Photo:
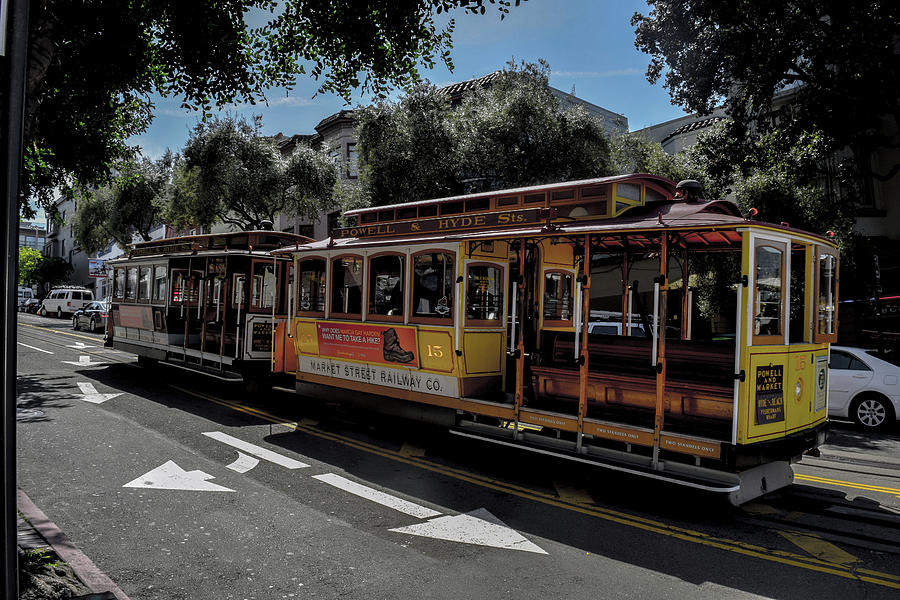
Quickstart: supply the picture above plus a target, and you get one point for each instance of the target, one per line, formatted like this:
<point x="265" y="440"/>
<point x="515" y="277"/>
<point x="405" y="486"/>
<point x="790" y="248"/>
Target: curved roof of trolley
<point x="660" y="181"/>
<point x="704" y="222"/>
<point x="203" y="243"/>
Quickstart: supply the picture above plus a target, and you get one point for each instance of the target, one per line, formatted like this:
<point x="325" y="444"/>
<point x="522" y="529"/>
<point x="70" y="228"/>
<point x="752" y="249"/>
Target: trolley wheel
<point x="147" y="362"/>
<point x="257" y="384"/>
<point x="872" y="412"/>
<point x="93" y="325"/>
<point x="75" y="323"/>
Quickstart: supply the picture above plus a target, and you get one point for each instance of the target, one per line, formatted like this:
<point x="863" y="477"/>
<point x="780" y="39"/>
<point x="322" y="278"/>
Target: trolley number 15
<point x="435" y="351"/>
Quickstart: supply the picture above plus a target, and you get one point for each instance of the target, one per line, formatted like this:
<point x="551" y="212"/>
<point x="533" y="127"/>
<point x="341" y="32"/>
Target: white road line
<point x="374" y="495"/>
<point x="243" y="463"/>
<point x="33" y="348"/>
<point x="284" y="461"/>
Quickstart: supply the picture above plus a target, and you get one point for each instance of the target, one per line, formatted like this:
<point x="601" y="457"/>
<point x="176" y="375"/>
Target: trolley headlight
<point x="798" y="389"/>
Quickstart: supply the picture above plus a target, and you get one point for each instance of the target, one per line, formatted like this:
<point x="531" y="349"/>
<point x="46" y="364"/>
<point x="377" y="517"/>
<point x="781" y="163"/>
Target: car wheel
<point x="872" y="412"/>
<point x="42" y="311"/>
<point x="59" y="312"/>
<point x="75" y="323"/>
<point x="93" y="325"/>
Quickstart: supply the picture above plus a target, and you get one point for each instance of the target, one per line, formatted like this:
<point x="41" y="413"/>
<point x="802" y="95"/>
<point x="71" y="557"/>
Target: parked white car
<point x="862" y="387"/>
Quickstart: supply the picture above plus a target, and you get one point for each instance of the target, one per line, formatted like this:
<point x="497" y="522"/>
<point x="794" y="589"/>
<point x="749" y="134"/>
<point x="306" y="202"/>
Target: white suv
<point x="65" y="300"/>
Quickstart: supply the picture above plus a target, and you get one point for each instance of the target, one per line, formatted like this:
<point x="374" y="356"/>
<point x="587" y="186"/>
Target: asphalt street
<point x="177" y="486"/>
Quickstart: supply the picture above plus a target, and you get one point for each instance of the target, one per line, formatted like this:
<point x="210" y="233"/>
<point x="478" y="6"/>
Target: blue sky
<point x="589" y="44"/>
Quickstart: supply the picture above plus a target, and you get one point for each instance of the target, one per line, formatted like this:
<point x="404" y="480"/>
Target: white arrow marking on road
<point x="374" y="495"/>
<point x="33" y="348"/>
<point x="80" y="346"/>
<point x="284" y="461"/>
<point x="170" y="476"/>
<point x="89" y="394"/>
<point x="243" y="463"/>
<point x="83" y="361"/>
<point x="477" y="527"/>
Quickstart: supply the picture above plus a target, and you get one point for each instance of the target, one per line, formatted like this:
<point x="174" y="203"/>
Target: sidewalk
<point x="41" y="543"/>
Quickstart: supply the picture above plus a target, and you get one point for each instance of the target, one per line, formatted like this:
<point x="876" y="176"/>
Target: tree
<point x="29" y="260"/>
<point x="513" y="133"/>
<point x="131" y="205"/>
<point x="52" y="271"/>
<point x="229" y="173"/>
<point x="93" y="65"/>
<point x="804" y="66"/>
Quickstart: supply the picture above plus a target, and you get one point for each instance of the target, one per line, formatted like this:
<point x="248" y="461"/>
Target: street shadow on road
<point x="623" y="518"/>
<point x="36" y="394"/>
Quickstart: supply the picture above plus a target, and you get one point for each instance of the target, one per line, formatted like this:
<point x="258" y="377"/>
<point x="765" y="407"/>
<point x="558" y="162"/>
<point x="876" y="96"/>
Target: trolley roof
<point x="627" y="207"/>
<point x="260" y="241"/>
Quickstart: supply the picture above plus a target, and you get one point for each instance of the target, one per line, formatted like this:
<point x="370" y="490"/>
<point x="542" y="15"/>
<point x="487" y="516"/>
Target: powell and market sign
<point x="462" y="222"/>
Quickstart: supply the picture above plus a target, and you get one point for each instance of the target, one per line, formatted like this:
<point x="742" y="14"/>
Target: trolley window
<point x="386" y="287"/>
<point x="346" y="286"/>
<point x="432" y="286"/>
<point x="144" y="283"/>
<point x="119" y="285"/>
<point x="484" y="295"/>
<point x="262" y="293"/>
<point x="131" y="283"/>
<point x="238" y="295"/>
<point x="312" y="286"/>
<point x="185" y="288"/>
<point x="159" y="283"/>
<point x="557" y="298"/>
<point x="769" y="294"/>
<point x="826" y="295"/>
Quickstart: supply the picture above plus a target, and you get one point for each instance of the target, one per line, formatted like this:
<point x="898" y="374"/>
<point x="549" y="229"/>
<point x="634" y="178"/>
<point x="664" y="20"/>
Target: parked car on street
<point x="94" y="317"/>
<point x="863" y="387"/>
<point x="31" y="305"/>
<point x="66" y="300"/>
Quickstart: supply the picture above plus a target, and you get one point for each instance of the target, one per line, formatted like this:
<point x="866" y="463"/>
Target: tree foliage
<point x="29" y="260"/>
<point x="802" y="66"/>
<point x="512" y="133"/>
<point x="93" y="65"/>
<point x="132" y="205"/>
<point x="229" y="173"/>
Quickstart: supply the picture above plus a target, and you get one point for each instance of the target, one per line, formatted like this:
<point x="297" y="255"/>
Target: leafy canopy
<point x="230" y="174"/>
<point x="835" y="62"/>
<point x="93" y="65"/>
<point x="512" y="133"/>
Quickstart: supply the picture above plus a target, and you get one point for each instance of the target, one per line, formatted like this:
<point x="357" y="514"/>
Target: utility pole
<point x="13" y="65"/>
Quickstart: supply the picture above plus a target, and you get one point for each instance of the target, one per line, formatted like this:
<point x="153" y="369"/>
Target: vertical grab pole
<point x="577" y="297"/>
<point x="520" y="343"/>
<point x="237" y="341"/>
<point x="659" y="344"/>
<point x="514" y="307"/>
<point x="737" y="363"/>
<point x="583" y="334"/>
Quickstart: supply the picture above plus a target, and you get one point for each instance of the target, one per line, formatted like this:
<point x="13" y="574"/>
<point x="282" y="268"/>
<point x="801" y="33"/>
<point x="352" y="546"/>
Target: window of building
<point x="346" y="286"/>
<point x="352" y="160"/>
<point x="484" y="295"/>
<point x="432" y="287"/>
<point x="386" y="286"/>
<point x="312" y="285"/>
<point x="144" y="283"/>
<point x="557" y="298"/>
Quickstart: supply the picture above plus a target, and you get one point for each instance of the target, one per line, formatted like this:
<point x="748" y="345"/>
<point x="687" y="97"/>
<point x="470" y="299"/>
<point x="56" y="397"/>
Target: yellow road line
<point x="849" y="484"/>
<point x="649" y="525"/>
<point x="69" y="333"/>
<point x="819" y="548"/>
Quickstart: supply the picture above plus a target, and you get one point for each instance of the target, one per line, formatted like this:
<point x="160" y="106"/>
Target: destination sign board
<point x="449" y="223"/>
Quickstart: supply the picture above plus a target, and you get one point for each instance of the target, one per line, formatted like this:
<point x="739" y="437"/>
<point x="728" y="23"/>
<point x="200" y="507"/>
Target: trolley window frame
<point x="784" y="290"/>
<point x="498" y="323"/>
<point x="370" y="288"/>
<point x="450" y="319"/>
<point x="818" y="252"/>
<point x="363" y="291"/>
<point x="298" y="277"/>
<point x="563" y="323"/>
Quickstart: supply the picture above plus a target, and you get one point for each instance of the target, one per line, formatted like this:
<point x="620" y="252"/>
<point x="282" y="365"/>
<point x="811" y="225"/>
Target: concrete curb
<point x="83" y="567"/>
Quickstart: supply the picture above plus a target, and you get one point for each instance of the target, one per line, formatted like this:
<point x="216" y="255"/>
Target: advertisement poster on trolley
<point x="382" y="344"/>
